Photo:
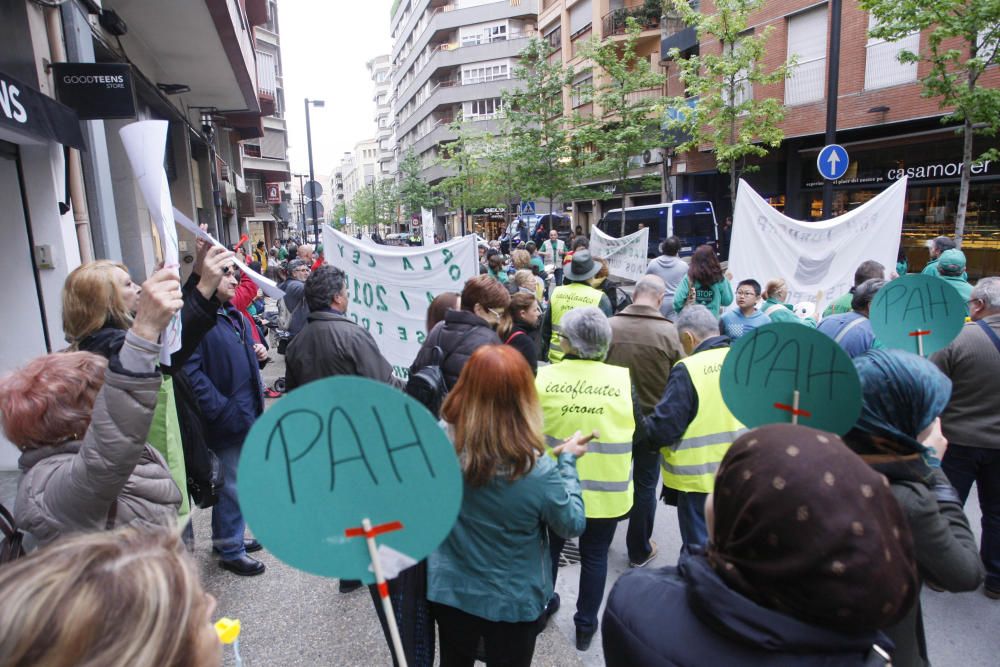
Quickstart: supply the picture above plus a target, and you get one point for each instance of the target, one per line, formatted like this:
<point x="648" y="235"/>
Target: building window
<point x="743" y="89"/>
<point x="554" y="36"/>
<point x="485" y="35"/>
<point x="807" y="42"/>
<point x="483" y="109"/>
<point x="483" y="73"/>
<point x="882" y="66"/>
<point x="257" y="188"/>
<point x="582" y="90"/>
<point x="580" y="18"/>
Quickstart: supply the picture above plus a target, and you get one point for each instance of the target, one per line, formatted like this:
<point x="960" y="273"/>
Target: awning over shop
<point x="29" y="117"/>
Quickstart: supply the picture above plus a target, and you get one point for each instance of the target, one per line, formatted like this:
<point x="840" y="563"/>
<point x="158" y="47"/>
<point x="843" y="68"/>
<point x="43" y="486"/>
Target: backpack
<point x="11" y="547"/>
<point x="284" y="315"/>
<point x="428" y="384"/>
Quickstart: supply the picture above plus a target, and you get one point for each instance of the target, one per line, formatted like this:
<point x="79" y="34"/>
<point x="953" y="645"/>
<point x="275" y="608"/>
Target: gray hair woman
<point x="585" y="334"/>
<point x="583" y="394"/>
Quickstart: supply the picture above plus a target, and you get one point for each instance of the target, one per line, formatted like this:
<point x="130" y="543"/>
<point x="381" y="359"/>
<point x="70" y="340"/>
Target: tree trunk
<point x="963" y="190"/>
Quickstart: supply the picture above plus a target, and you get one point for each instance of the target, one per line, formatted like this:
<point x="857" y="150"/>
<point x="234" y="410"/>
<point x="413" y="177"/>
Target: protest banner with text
<point x="626" y="256"/>
<point x="390" y="287"/>
<point x="817" y="259"/>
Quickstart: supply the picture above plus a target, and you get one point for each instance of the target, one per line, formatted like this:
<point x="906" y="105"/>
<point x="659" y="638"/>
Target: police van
<point x="693" y="222"/>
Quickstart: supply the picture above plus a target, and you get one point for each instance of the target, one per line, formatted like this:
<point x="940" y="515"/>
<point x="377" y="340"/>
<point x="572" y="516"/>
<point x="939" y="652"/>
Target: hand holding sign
<point x="784" y="372"/>
<point x="341" y="462"/>
<point x="917" y="313"/>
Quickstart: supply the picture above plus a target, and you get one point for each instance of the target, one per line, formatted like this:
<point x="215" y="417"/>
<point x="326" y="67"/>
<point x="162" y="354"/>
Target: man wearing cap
<point x="853" y="331"/>
<point x="573" y="293"/>
<point x="935" y="247"/>
<point x="951" y="269"/>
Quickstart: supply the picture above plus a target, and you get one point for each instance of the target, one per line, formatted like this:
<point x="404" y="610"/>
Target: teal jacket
<point x="782" y="312"/>
<point x="714" y="297"/>
<point x="495" y="564"/>
<point x="963" y="287"/>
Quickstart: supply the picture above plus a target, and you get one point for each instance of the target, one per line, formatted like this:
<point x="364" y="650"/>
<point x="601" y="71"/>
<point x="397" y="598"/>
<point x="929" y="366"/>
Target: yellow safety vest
<point x="564" y="299"/>
<point x="585" y="396"/>
<point x="692" y="464"/>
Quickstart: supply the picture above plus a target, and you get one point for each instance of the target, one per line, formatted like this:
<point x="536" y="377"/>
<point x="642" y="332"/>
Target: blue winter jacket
<point x="225" y="376"/>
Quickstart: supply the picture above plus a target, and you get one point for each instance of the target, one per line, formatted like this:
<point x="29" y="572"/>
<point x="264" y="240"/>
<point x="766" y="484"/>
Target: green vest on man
<point x="691" y="465"/>
<point x="584" y="395"/>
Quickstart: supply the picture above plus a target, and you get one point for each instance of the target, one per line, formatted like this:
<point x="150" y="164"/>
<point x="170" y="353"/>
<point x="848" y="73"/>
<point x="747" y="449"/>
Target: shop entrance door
<point x="19" y="302"/>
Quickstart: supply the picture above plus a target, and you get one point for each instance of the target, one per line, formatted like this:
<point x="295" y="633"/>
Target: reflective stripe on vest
<point x="691" y="465"/>
<point x="564" y="299"/>
<point x="585" y="396"/>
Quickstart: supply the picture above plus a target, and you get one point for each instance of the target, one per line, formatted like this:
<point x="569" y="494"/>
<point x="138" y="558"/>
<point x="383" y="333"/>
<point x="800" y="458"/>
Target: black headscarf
<point x="804" y="526"/>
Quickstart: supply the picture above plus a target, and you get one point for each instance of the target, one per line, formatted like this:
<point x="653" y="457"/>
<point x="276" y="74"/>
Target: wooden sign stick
<point x="383" y="586"/>
<point x="795" y="406"/>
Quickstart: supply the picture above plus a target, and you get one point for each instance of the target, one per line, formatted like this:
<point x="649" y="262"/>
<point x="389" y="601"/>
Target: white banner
<point x="427" y="225"/>
<point x="390" y="287"/>
<point x="816" y="259"/>
<point x="145" y="145"/>
<point x="626" y="256"/>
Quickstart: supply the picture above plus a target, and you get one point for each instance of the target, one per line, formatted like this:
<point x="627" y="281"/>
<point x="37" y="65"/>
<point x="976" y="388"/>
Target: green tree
<point x="414" y="192"/>
<point x="627" y="99"/>
<point x="724" y="113"/>
<point x="375" y="204"/>
<point x="339" y="213"/>
<point x="536" y="129"/>
<point x="963" y="39"/>
<point x="471" y="182"/>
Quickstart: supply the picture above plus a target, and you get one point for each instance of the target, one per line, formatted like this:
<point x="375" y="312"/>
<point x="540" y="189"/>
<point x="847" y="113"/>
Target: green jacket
<point x="714" y="297"/>
<point x="963" y="287"/>
<point x="783" y="313"/>
<point x="495" y="564"/>
<point x="840" y="305"/>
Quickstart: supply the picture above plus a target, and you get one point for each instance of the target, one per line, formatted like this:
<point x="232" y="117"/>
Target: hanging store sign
<point x="28" y="116"/>
<point x="273" y="191"/>
<point x="96" y="90"/>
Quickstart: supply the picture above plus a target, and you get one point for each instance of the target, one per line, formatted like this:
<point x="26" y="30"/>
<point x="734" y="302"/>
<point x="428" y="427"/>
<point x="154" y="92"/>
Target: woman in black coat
<point x="809" y="556"/>
<point x="484" y="302"/>
<point x="519" y="328"/>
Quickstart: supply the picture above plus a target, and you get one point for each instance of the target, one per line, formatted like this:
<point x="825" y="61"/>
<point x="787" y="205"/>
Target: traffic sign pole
<point x="832" y="90"/>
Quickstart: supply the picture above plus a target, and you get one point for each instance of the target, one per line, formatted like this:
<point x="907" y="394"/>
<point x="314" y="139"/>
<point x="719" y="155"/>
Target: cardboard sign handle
<point x="383" y="592"/>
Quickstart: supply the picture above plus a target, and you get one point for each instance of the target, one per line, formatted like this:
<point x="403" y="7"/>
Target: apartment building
<point x="567" y="25"/>
<point x="358" y="169"/>
<point x="452" y="57"/>
<point x="380" y="70"/>
<point x="264" y="206"/>
<point x="887" y="127"/>
<point x="192" y="63"/>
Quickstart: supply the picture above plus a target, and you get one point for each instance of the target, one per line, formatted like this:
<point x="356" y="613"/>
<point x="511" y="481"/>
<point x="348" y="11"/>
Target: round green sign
<point x="917" y="313"/>
<point x="338" y="451"/>
<point x="765" y="369"/>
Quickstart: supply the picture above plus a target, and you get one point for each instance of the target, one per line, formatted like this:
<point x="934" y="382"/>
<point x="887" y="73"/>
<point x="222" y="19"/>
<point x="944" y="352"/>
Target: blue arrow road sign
<point x="832" y="162"/>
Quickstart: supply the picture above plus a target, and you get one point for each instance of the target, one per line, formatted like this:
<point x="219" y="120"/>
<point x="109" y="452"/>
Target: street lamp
<point x="312" y="173"/>
<point x="302" y="202"/>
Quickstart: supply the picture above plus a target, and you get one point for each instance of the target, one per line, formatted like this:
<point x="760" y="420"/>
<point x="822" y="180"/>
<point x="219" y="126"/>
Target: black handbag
<point x="428" y="384"/>
<point x="11" y="548"/>
<point x="205" y="476"/>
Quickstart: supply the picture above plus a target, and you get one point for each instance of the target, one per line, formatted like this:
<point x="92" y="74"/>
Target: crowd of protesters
<point x="571" y="405"/>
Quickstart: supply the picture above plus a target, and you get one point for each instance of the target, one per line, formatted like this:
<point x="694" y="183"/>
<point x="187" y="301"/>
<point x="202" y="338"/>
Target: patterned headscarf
<point x="804" y="526"/>
<point x="902" y="394"/>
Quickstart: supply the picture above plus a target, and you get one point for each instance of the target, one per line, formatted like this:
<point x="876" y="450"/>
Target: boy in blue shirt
<point x="746" y="317"/>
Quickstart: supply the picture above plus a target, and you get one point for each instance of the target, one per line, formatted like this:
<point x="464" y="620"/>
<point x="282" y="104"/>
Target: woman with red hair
<point x="81" y="423"/>
<point x="492" y="577"/>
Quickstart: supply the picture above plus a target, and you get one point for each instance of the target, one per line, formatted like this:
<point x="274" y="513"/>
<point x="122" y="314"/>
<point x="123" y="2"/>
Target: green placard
<point x="337" y="451"/>
<point x="764" y="369"/>
<point x="917" y="310"/>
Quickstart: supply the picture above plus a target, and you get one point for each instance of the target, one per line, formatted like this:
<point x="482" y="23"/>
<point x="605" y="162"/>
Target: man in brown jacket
<point x="646" y="343"/>
<point x="971" y="422"/>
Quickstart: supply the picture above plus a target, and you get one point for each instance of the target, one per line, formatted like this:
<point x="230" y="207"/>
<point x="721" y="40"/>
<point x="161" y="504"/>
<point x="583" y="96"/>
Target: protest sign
<point x="390" y="287"/>
<point x="344" y="449"/>
<point x="269" y="287"/>
<point x="817" y="259"/>
<point x="917" y="313"/>
<point x="350" y="478"/>
<point x="145" y="144"/>
<point x="626" y="256"/>
<point x="785" y="372"/>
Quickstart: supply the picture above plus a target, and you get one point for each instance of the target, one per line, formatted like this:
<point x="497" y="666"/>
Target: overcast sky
<point x="324" y="47"/>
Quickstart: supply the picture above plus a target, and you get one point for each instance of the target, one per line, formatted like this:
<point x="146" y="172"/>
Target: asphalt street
<point x="292" y="619"/>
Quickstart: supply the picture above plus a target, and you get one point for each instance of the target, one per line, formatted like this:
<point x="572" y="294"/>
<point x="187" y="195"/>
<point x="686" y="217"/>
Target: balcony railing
<point x="615" y="22"/>
<point x="644" y="94"/>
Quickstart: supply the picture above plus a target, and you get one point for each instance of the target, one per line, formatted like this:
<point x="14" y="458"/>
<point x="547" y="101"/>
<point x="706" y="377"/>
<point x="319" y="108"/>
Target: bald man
<point x="646" y="343"/>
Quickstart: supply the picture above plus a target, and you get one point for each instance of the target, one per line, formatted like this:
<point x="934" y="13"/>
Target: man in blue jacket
<point x="224" y="373"/>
